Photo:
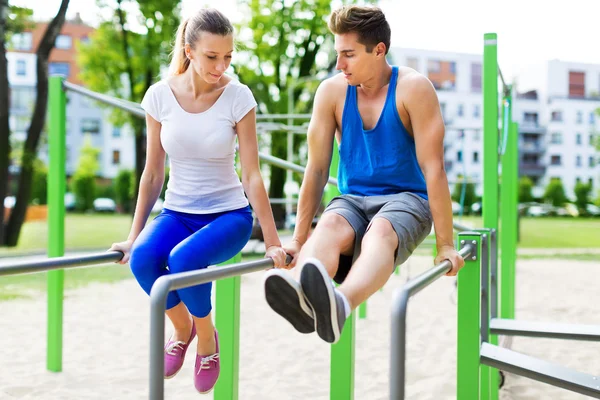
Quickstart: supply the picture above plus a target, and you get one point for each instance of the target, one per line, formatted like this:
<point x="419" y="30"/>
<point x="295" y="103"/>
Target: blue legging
<point x="177" y="242"/>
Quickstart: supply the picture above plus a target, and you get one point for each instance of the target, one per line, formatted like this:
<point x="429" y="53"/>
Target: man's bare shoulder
<point x="414" y="83"/>
<point x="333" y="86"/>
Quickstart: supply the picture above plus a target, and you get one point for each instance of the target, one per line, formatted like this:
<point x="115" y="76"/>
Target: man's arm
<point x="428" y="131"/>
<point x="321" y="132"/>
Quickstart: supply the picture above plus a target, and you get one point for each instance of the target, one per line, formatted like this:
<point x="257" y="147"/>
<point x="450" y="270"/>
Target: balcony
<point x="531" y="147"/>
<point x="531" y="127"/>
<point x="531" y="169"/>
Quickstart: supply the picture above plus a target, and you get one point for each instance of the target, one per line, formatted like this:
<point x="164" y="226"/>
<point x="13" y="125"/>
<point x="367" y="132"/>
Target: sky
<point x="530" y="32"/>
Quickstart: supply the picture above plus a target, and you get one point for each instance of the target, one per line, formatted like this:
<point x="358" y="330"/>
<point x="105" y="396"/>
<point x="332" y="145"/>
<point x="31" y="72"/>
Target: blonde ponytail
<point x="205" y="20"/>
<point x="179" y="61"/>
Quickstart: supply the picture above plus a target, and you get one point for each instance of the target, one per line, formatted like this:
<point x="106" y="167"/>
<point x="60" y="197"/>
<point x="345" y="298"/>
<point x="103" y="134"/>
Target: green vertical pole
<point x="56" y="219"/>
<point x="508" y="209"/>
<point x="227" y="320"/>
<point x="341" y="385"/>
<point x="512" y="150"/>
<point x="490" y="153"/>
<point x="468" y="321"/>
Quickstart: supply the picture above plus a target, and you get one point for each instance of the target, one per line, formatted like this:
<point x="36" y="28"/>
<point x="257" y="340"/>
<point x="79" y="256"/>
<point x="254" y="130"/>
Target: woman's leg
<point x="148" y="262"/>
<point x="216" y="242"/>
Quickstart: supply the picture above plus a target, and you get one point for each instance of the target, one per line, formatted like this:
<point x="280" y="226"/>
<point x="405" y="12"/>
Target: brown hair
<point x="206" y="20"/>
<point x="368" y="22"/>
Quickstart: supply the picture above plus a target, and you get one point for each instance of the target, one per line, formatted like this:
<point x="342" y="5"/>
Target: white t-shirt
<point x="201" y="148"/>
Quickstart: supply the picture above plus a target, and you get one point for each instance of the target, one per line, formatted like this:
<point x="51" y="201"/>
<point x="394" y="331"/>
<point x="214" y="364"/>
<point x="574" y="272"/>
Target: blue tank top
<point x="382" y="160"/>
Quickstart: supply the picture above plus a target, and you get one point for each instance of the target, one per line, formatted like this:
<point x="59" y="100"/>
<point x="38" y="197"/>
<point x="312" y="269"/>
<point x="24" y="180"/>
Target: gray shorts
<point x="408" y="213"/>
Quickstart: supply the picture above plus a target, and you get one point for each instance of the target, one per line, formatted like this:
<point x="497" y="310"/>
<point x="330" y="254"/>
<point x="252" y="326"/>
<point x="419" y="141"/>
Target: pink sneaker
<point x="175" y="354"/>
<point x="207" y="370"/>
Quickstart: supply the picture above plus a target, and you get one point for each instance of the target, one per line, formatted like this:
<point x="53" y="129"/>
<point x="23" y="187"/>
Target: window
<point x="116" y="157"/>
<point x="412" y="62"/>
<point x="84" y="39"/>
<point x="591" y="143"/>
<point x="452" y="67"/>
<point x="579" y="117"/>
<point x="21" y="41"/>
<point x="459" y="156"/>
<point x="530" y="118"/>
<point x="576" y="84"/>
<point x="578" y="139"/>
<point x="116" y="132"/>
<point x="476" y="77"/>
<point x="475" y="157"/>
<point x="578" y="161"/>
<point x="591" y="162"/>
<point x="460" y="111"/>
<point x="63" y="42"/>
<point x="434" y="66"/>
<point x="555" y="160"/>
<point x="22" y="98"/>
<point x="592" y="118"/>
<point x="59" y="68"/>
<point x="556" y="138"/>
<point x="90" y="125"/>
<point x="476" y="111"/>
<point x="556" y="116"/>
<point x="21" y="68"/>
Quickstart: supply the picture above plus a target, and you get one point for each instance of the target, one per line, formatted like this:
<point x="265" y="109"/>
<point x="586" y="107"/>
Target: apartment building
<point x="557" y="130"/>
<point x="85" y="118"/>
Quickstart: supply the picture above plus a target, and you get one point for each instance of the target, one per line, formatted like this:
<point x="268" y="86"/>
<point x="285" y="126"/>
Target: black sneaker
<point x="285" y="297"/>
<point x="325" y="300"/>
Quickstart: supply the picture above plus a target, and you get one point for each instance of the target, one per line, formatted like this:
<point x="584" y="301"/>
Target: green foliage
<point x="525" y="190"/>
<point x="39" y="183"/>
<point x="124" y="184"/>
<point x="84" y="180"/>
<point x="164" y="188"/>
<point x="555" y="193"/>
<point x="19" y="19"/>
<point x="470" y="195"/>
<point x="582" y="195"/>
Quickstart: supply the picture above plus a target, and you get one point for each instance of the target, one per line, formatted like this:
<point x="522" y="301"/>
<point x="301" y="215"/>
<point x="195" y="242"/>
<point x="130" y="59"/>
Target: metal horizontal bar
<point x="48" y="264"/>
<point x="399" y="310"/>
<point x="261" y="117"/>
<point x="288" y="165"/>
<point x="540" y="370"/>
<point x="544" y="329"/>
<point x="461" y="228"/>
<point x="130" y="107"/>
<point x="158" y="300"/>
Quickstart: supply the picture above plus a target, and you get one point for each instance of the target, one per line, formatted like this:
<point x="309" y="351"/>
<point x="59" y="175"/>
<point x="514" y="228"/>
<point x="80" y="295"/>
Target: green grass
<point x="565" y="257"/>
<point x="552" y="233"/>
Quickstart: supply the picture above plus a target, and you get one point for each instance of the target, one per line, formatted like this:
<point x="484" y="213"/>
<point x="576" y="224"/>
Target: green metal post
<point x="56" y="219"/>
<point x="512" y="150"/>
<point x="468" y="321"/>
<point x="227" y="318"/>
<point x="341" y="384"/>
<point x="490" y="152"/>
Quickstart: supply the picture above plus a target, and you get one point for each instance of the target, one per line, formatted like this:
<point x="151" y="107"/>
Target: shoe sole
<point x="319" y="292"/>
<point x="285" y="301"/>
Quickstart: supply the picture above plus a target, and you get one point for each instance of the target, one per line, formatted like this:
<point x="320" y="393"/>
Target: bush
<point x="582" y="196"/>
<point x="470" y="195"/>
<point x="84" y="178"/>
<point x="525" y="190"/>
<point x="123" y="184"/>
<point x="39" y="183"/>
<point x="555" y="193"/>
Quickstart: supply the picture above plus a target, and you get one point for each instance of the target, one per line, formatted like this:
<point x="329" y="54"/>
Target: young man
<point x="390" y="131"/>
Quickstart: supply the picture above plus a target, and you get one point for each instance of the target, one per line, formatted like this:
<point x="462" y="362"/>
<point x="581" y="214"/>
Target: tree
<point x="555" y="193"/>
<point x="84" y="179"/>
<point x="12" y="20"/>
<point x="124" y="63"/>
<point x="287" y="41"/>
<point x="470" y="197"/>
<point x="582" y="196"/>
<point x="124" y="183"/>
<point x="29" y="154"/>
<point x="525" y="190"/>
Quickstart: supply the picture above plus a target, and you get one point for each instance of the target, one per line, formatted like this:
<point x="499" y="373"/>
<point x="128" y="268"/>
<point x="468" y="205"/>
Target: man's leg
<point x="375" y="264"/>
<point x="332" y="237"/>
